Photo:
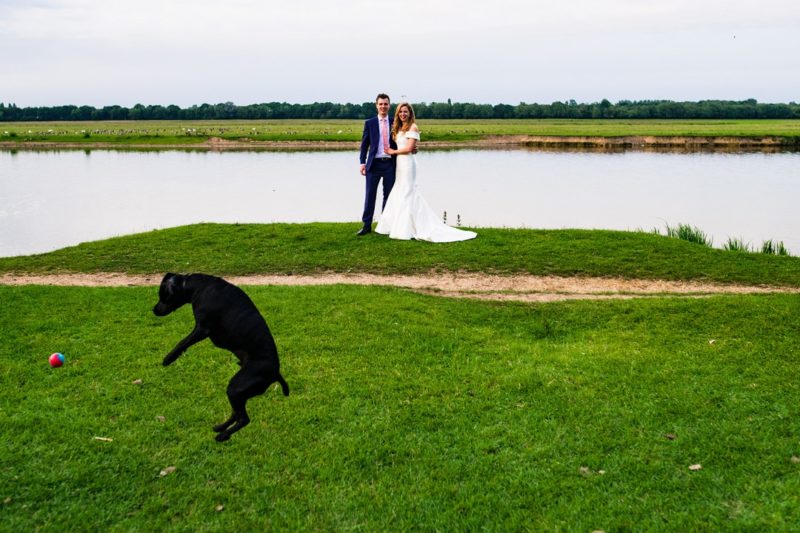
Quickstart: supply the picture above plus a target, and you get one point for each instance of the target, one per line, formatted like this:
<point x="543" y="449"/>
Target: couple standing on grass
<point x="387" y="152"/>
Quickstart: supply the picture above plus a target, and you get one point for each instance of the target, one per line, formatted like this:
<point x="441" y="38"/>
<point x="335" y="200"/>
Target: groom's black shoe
<point x="364" y="231"/>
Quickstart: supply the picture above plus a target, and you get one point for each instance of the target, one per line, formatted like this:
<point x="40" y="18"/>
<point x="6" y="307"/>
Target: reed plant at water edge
<point x="736" y="244"/>
<point x="695" y="235"/>
<point x="773" y="248"/>
<point x="689" y="233"/>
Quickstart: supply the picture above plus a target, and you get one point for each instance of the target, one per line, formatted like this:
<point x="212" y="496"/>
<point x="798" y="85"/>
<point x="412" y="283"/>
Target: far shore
<point x="490" y="142"/>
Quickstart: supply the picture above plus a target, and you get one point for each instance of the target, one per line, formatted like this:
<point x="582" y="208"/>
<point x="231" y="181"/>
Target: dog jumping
<point x="227" y="316"/>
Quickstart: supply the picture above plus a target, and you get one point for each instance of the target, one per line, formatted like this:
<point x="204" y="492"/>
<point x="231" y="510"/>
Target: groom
<point x="376" y="164"/>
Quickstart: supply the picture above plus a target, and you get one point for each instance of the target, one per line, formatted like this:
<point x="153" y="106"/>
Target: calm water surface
<point x="52" y="199"/>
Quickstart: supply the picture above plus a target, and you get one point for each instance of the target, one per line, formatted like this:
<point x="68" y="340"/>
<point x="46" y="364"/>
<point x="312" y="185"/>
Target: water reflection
<point x="54" y="198"/>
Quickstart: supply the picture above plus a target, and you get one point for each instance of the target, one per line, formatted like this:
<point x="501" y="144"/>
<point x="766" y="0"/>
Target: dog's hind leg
<point x="219" y="428"/>
<point x="242" y="387"/>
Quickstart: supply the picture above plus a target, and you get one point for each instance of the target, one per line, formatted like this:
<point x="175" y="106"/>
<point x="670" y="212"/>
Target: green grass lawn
<point x="406" y="412"/>
<point x="193" y="132"/>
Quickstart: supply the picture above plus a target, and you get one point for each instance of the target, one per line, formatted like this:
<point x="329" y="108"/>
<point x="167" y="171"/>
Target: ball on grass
<point x="56" y="359"/>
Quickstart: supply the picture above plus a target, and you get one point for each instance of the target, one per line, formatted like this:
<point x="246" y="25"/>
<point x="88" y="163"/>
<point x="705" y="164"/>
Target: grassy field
<point x="407" y="411"/>
<point x="194" y="132"/>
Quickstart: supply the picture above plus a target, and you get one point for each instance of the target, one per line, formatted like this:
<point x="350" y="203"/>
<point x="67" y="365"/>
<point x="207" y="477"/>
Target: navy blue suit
<point x="376" y="168"/>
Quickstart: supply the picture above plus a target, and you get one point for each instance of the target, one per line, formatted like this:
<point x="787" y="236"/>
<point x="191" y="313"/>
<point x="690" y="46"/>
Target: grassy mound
<point x="228" y="249"/>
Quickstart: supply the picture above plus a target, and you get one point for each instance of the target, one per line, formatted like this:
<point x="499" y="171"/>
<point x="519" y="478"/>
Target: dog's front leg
<point x="198" y="334"/>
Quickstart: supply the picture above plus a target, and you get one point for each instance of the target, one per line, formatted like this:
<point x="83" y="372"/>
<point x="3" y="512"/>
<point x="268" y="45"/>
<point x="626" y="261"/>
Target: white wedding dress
<point x="407" y="215"/>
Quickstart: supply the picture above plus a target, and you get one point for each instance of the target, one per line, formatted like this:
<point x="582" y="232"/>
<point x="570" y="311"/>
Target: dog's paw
<point x="168" y="360"/>
<point x="222" y="437"/>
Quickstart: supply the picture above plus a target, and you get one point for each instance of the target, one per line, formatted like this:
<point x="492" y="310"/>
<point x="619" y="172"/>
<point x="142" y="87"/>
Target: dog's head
<point x="171" y="294"/>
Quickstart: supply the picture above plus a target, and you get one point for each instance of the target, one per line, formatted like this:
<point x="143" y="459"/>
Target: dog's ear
<point x="170" y="283"/>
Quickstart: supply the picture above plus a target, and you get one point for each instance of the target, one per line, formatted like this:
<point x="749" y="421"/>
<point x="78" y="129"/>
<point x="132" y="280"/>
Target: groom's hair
<point x="382" y="95"/>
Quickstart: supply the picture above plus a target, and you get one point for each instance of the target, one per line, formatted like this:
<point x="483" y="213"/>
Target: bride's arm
<point x="411" y="144"/>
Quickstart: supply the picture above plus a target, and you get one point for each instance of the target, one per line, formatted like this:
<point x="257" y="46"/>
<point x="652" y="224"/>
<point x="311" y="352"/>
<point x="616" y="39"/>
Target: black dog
<point x="227" y="316"/>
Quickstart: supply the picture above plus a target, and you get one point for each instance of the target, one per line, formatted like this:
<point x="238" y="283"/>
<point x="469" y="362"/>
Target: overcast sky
<point x="187" y="52"/>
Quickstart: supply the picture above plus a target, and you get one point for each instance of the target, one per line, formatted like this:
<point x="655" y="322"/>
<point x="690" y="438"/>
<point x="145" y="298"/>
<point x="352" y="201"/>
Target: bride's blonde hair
<point x="396" y="127"/>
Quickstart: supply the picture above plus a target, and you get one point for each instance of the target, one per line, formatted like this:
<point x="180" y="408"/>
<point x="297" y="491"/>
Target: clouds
<point x="189" y="52"/>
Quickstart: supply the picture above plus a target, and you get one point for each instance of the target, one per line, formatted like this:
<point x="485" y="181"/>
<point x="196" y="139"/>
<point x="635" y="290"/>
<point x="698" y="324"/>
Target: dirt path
<point x="461" y="285"/>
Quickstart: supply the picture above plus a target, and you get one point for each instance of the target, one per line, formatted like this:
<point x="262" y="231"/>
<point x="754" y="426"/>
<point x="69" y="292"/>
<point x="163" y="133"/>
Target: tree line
<point x="624" y="109"/>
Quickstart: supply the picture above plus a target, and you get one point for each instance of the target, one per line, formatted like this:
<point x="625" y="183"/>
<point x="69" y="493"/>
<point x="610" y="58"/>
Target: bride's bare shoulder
<point x="414" y="127"/>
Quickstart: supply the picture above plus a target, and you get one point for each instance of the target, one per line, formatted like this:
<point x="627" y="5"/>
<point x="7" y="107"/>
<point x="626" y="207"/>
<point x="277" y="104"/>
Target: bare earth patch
<point x="525" y="288"/>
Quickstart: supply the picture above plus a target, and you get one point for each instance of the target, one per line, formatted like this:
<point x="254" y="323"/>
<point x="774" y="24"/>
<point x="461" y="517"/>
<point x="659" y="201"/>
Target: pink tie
<point x="385" y="134"/>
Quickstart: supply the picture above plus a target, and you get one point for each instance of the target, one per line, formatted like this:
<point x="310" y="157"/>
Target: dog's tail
<point x="284" y="385"/>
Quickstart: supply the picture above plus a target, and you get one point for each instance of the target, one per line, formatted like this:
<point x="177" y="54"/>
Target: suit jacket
<point x="371" y="139"/>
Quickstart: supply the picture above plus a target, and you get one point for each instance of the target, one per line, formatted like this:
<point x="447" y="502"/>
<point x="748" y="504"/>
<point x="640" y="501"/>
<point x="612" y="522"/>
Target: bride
<point x="407" y="215"/>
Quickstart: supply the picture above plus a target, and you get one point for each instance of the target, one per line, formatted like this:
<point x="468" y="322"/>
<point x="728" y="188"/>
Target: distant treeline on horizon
<point x="624" y="109"/>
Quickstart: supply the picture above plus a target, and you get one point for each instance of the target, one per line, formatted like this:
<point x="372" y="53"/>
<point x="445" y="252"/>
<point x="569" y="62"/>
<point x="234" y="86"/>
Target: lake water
<point x="52" y="199"/>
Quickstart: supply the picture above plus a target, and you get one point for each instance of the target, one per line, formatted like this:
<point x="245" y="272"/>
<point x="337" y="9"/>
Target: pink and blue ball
<point x="56" y="359"/>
